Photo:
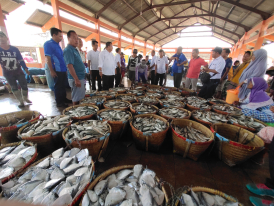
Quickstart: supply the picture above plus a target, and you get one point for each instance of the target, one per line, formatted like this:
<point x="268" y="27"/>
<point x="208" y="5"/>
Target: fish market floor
<point x="208" y="171"/>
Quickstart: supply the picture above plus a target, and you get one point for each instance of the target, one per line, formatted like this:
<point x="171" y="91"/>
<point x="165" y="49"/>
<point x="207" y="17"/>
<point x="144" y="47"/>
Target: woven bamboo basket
<point x="191" y="108"/>
<point x="159" y="96"/>
<point x="98" y="104"/>
<point x="36" y="79"/>
<point x="47" y="143"/>
<point x="162" y="105"/>
<point x="91" y="116"/>
<point x="90" y="94"/>
<point x="186" y="147"/>
<point x="113" y="171"/>
<point x="141" y="86"/>
<point x="170" y="118"/>
<point x="186" y="92"/>
<point x="119" y="92"/>
<point x="149" y="141"/>
<point x="222" y="112"/>
<point x="173" y="92"/>
<point x="154" y="102"/>
<point x="212" y="192"/>
<point x="169" y="89"/>
<point x="235" y="145"/>
<point x="250" y="129"/>
<point x="149" y="90"/>
<point x="9" y="134"/>
<point x="131" y="101"/>
<point x="133" y="111"/>
<point x="25" y="166"/>
<point x="142" y="93"/>
<point x="99" y="93"/>
<point x="44" y="80"/>
<point x="122" y="108"/>
<point x="117" y="127"/>
<point x="96" y="147"/>
<point x="219" y="100"/>
<point x="152" y="86"/>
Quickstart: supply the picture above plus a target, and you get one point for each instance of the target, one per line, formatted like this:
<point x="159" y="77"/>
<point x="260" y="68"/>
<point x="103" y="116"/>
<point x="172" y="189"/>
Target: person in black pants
<point x="161" y="66"/>
<point x="118" y="67"/>
<point x="151" y="68"/>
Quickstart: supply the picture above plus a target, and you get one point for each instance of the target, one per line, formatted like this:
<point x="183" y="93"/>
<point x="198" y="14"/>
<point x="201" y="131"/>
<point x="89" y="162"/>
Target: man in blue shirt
<point x="76" y="68"/>
<point x="178" y="66"/>
<point x="57" y="66"/>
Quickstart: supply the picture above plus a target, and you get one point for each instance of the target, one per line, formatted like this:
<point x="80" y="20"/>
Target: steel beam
<point x="98" y="13"/>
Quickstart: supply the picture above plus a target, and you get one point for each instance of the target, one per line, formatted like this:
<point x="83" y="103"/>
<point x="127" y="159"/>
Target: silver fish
<point x="114" y="115"/>
<point x="197" y="102"/>
<point x="16" y="162"/>
<point x="123" y="174"/>
<point x="73" y="152"/>
<point x="172" y="112"/>
<point x="52" y="183"/>
<point x="129" y="98"/>
<point x="58" y="153"/>
<point x="92" y="196"/>
<point x="57" y="174"/>
<point x="29" y="151"/>
<point x="149" y="124"/>
<point x="40" y="174"/>
<point x="44" y="164"/>
<point x="155" y="95"/>
<point x="82" y="155"/>
<point x="135" y="92"/>
<point x="147" y="100"/>
<point x="86" y="200"/>
<point x="99" y="188"/>
<point x="145" y="195"/>
<point x="115" y="196"/>
<point x="191" y="133"/>
<point x="137" y="170"/>
<point x="63" y="200"/>
<point x="6" y="172"/>
<point x="112" y="181"/>
<point x="65" y="162"/>
<point x="117" y="104"/>
<point x="71" y="168"/>
<point x="95" y="100"/>
<point x="143" y="108"/>
<point x="49" y="199"/>
<point x="171" y="103"/>
<point x="81" y="171"/>
<point x="106" y="94"/>
<point x="81" y="111"/>
<point x="37" y="190"/>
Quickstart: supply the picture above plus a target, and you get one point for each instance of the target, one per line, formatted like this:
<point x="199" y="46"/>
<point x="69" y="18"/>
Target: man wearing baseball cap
<point x="215" y="70"/>
<point x="131" y="66"/>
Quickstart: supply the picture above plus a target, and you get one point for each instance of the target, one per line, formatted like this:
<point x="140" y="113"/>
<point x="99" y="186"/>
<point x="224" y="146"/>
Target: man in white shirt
<point x="152" y="67"/>
<point x="118" y="67"/>
<point x="93" y="65"/>
<point x="107" y="66"/>
<point x="215" y="70"/>
<point x="161" y="66"/>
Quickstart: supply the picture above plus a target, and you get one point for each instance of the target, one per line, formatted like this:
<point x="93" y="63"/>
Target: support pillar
<point x="56" y="14"/>
<point x="145" y="49"/>
<point x="210" y="58"/>
<point x="119" y="39"/>
<point x="260" y="40"/>
<point x="98" y="38"/>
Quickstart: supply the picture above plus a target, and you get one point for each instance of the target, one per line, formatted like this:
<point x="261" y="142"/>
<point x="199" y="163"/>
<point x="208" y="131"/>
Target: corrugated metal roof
<point x="39" y="18"/>
<point x="10" y="5"/>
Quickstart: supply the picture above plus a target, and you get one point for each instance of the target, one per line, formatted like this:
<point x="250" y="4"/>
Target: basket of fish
<point x="155" y="90"/>
<point x="248" y="123"/>
<point x="197" y="103"/>
<point x="119" y="90"/>
<point x="46" y="133"/>
<point x="118" y="120"/>
<point x="140" y="87"/>
<point x="234" y="145"/>
<point x="10" y="123"/>
<point x="190" y="139"/>
<point x="116" y="104"/>
<point x="174" y="97"/>
<point x="90" y="134"/>
<point x="107" y="94"/>
<point x="152" y="86"/>
<point x="90" y="93"/>
<point x="14" y="158"/>
<point x="58" y="179"/>
<point x="171" y="103"/>
<point x="126" y="185"/>
<point x="206" y="196"/>
<point x="209" y="118"/>
<point x="172" y="92"/>
<point x="95" y="100"/>
<point x="226" y="109"/>
<point x="81" y="112"/>
<point x="148" y="100"/>
<point x="140" y="108"/>
<point x="187" y="92"/>
<point x="131" y="98"/>
<point x="174" y="113"/>
<point x="170" y="89"/>
<point x="213" y="101"/>
<point x="149" y="131"/>
<point x="136" y="92"/>
<point x="155" y="95"/>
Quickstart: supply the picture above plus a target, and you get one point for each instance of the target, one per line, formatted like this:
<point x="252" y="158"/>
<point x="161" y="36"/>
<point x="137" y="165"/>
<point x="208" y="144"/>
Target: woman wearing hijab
<point x="141" y="72"/>
<point x="256" y="68"/>
<point x="258" y="104"/>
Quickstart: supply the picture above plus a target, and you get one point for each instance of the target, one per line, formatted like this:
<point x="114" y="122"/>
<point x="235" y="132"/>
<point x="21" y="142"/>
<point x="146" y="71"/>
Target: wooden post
<point x="58" y="24"/>
<point x="119" y="39"/>
<point x="260" y="40"/>
<point x="145" y="49"/>
<point x="98" y="38"/>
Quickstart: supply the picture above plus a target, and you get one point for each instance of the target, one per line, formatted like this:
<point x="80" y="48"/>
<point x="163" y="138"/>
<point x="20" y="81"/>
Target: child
<point x="141" y="72"/>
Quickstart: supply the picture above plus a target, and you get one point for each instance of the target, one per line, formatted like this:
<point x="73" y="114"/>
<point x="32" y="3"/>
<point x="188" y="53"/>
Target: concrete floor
<point x="208" y="171"/>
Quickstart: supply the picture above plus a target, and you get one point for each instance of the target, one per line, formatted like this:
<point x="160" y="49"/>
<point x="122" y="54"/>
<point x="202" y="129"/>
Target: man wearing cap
<point x="215" y="70"/>
<point x="178" y="66"/>
<point x="131" y="66"/>
<point x="152" y="67"/>
<point x="161" y="67"/>
<point x="11" y="62"/>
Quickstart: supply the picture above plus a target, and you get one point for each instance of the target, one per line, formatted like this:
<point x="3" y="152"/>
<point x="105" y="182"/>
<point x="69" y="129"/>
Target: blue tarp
<point x="33" y="71"/>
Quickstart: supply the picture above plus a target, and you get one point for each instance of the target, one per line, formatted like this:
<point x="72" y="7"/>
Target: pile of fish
<point x="16" y="121"/>
<point x="216" y="101"/>
<point x="175" y="97"/>
<point x="81" y="111"/>
<point x="191" y="133"/>
<point x="106" y="94"/>
<point x="147" y="100"/>
<point x="156" y="95"/>
<point x="117" y="104"/>
<point x="197" y="102"/>
<point x="149" y="124"/>
<point x="93" y="100"/>
<point x="155" y="90"/>
<point x="45" y="126"/>
<point x="91" y="93"/>
<point x="137" y="187"/>
<point x="203" y="198"/>
<point x="136" y="92"/>
<point x="210" y="117"/>
<point x="129" y="98"/>
<point x="14" y="158"/>
<point x="227" y="108"/>
<point x="143" y="108"/>
<point x="118" y="89"/>
<point x="246" y="121"/>
<point x="114" y="115"/>
<point x="172" y="112"/>
<point x="171" y="103"/>
<point x="55" y="180"/>
<point x="139" y="87"/>
<point x="87" y="130"/>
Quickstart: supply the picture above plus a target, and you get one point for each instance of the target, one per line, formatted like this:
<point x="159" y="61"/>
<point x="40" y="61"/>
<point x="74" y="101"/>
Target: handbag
<point x="205" y="77"/>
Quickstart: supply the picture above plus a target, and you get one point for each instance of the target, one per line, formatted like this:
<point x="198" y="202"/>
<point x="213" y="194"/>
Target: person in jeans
<point x="118" y="67"/>
<point x="131" y="66"/>
<point x="194" y="70"/>
<point x="93" y="65"/>
<point x="76" y="68"/>
<point x="141" y="72"/>
<point x="215" y="70"/>
<point x="11" y="62"/>
<point x="57" y="66"/>
<point x="161" y="68"/>
<point x="107" y="66"/>
<point x="152" y="67"/>
<point x="178" y="66"/>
